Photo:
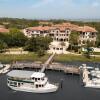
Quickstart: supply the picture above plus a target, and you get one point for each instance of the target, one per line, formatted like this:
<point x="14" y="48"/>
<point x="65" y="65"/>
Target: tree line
<point x="15" y="38"/>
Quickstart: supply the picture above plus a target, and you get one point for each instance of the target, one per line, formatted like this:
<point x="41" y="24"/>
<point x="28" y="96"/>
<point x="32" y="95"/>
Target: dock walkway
<point x="46" y="64"/>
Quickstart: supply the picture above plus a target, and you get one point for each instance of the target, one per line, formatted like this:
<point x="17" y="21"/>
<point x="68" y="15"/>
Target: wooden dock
<point x="54" y="66"/>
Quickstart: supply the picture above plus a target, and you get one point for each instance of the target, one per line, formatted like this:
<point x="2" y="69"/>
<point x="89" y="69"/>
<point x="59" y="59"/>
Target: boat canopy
<point x="38" y="75"/>
<point x="20" y="74"/>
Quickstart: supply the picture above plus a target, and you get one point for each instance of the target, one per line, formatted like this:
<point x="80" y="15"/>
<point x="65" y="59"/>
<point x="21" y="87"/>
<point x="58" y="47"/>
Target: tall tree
<point x="89" y="50"/>
<point x="38" y="44"/>
<point x="73" y="39"/>
<point x="16" y="38"/>
<point x="3" y="46"/>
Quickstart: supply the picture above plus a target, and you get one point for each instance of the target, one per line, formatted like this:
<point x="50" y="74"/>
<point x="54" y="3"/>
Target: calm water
<point x="72" y="90"/>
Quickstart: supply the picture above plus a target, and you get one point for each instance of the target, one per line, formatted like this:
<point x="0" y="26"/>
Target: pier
<point x="67" y="69"/>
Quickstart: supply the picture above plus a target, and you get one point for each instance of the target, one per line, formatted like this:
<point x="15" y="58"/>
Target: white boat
<point x="30" y="81"/>
<point x="95" y="72"/>
<point x="1" y="65"/>
<point x="94" y="82"/>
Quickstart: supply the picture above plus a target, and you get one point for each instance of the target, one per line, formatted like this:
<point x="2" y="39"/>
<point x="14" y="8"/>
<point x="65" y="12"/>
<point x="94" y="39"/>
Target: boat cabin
<point x="17" y="78"/>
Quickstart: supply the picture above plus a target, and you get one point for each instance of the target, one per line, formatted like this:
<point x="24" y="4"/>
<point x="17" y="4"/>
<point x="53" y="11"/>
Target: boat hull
<point x="92" y="86"/>
<point x="34" y="90"/>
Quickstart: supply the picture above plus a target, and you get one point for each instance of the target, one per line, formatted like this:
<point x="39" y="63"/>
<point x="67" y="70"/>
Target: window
<point x="83" y="33"/>
<point x="42" y="78"/>
<point x="8" y="82"/>
<point x="33" y="78"/>
<point x="57" y="39"/>
<point x="38" y="78"/>
<point x="66" y="34"/>
<point x="18" y="84"/>
<point x="36" y="86"/>
<point x="67" y="39"/>
<point x="61" y="39"/>
<point x="57" y="31"/>
<point x="64" y="39"/>
<point x="15" y="83"/>
<point x="83" y="42"/>
<point x="92" y="33"/>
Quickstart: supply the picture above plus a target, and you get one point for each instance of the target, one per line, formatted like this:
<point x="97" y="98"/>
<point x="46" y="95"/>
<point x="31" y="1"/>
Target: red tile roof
<point x="3" y="30"/>
<point x="40" y="28"/>
<point x="87" y="29"/>
<point x="63" y="27"/>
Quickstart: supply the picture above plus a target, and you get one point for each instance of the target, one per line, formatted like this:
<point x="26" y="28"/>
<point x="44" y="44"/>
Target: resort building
<point x="36" y="31"/>
<point x="61" y="34"/>
<point x="87" y="33"/>
<point x="60" y="37"/>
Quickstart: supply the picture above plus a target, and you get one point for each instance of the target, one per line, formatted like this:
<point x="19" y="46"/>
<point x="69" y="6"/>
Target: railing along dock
<point x="54" y="66"/>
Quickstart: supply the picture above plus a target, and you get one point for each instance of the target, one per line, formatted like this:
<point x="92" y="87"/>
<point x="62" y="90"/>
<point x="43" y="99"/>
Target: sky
<point x="50" y="9"/>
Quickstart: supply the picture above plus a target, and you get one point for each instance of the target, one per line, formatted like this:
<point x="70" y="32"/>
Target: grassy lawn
<point x="64" y="58"/>
<point x="96" y="53"/>
<point x="6" y="58"/>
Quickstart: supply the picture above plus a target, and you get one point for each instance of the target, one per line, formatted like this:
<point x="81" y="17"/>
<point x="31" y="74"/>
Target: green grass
<point x="65" y="58"/>
<point x="6" y="58"/>
<point x="96" y="53"/>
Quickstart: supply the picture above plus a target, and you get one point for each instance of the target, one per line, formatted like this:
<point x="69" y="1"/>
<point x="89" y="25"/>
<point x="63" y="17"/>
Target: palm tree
<point x="89" y="50"/>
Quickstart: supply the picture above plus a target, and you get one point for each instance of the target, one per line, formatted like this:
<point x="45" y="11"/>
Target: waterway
<point x="71" y="90"/>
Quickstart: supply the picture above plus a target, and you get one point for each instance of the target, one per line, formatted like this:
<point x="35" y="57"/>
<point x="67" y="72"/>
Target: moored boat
<point x="94" y="81"/>
<point x="29" y="81"/>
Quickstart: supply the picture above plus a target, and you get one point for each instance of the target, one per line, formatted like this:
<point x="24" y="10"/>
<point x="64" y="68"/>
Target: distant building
<point x="61" y="33"/>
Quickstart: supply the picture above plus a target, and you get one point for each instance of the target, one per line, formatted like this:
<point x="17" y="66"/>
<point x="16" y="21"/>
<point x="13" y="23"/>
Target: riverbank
<point x="7" y="58"/>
